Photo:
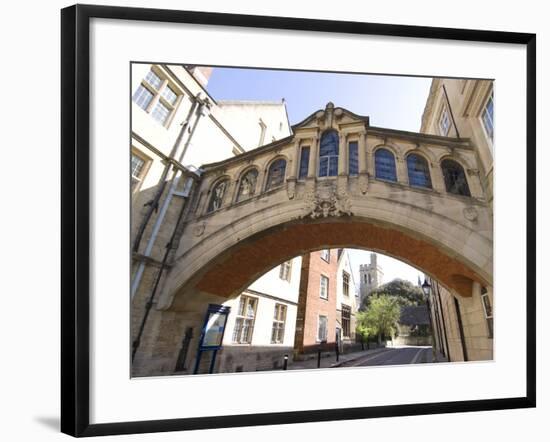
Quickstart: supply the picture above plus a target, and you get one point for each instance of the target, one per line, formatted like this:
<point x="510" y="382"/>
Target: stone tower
<point x="370" y="275"/>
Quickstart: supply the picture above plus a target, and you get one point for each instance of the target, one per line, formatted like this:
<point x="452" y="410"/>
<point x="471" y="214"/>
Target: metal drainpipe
<point x="162" y="180"/>
<point x="148" y="306"/>
<point x="160" y="218"/>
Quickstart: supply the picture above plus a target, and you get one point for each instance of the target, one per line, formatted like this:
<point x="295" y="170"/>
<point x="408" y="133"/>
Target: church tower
<point x="370" y="275"/>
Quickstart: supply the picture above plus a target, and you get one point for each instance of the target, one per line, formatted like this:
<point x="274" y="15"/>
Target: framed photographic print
<point x="256" y="204"/>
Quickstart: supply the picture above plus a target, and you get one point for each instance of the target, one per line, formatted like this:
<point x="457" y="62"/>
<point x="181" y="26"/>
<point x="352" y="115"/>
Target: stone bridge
<point x="336" y="182"/>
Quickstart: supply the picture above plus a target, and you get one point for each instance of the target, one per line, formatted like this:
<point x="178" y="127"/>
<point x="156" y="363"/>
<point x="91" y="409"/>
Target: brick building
<point x="327" y="304"/>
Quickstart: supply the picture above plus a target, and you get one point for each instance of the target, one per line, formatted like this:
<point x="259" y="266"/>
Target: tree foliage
<point x="403" y="291"/>
<point x="380" y="318"/>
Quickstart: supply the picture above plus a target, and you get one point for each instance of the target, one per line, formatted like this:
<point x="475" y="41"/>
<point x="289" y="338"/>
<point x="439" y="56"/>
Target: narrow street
<point x="393" y="356"/>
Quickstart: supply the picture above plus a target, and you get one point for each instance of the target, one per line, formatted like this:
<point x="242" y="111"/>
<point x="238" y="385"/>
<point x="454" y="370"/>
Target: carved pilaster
<point x="313" y="158"/>
<point x="362" y="152"/>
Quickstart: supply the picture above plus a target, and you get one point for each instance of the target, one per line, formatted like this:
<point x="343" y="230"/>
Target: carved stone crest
<point x="325" y="202"/>
<point x="199" y="229"/>
<point x="470" y="213"/>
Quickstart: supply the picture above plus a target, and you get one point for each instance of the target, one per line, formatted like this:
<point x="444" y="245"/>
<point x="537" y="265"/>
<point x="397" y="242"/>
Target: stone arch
<point x="441" y="246"/>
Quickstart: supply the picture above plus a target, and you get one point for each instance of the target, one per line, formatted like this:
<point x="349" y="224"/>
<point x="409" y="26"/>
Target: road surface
<point x="393" y="356"/>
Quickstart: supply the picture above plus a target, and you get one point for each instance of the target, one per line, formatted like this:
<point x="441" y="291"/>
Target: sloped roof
<point x="414" y="315"/>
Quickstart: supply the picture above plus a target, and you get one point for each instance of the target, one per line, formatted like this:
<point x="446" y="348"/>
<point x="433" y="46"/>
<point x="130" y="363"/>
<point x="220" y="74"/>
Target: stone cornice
<point x="416" y="137"/>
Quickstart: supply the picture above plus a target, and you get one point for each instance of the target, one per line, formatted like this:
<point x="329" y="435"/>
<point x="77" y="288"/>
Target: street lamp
<point x="426" y="288"/>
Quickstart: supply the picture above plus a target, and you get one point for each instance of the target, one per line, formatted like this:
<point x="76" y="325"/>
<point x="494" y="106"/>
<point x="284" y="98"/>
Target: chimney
<point x="201" y="73"/>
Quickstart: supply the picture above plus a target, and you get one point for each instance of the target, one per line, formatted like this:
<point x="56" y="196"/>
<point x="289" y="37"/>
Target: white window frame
<point x="325" y="255"/>
<point x="278" y="323"/>
<point x="324" y="278"/>
<point x="285" y="271"/>
<point x="142" y="173"/>
<point x="251" y="321"/>
<point x="345" y="287"/>
<point x="159" y="96"/>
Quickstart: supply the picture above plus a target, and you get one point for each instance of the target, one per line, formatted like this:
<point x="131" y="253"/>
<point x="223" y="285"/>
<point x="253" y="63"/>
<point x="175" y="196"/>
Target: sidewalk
<point x="330" y="361"/>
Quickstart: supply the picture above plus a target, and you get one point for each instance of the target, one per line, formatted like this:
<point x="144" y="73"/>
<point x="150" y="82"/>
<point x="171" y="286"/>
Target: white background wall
<point x="30" y="332"/>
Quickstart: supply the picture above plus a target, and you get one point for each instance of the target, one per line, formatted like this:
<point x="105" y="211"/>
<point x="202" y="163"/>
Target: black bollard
<point x="285" y="362"/>
<point x="319" y="358"/>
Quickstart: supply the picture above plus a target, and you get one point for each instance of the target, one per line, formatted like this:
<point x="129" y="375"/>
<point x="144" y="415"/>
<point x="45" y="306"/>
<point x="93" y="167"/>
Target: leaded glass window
<point x="247" y="186"/>
<point x="276" y="174"/>
<point x="153" y="79"/>
<point x="161" y="113"/>
<point x="244" y="322"/>
<point x="216" y="198"/>
<point x="285" y="270"/>
<point x="157" y="96"/>
<point x="487" y="117"/>
<point x="304" y="163"/>
<point x="455" y="179"/>
<point x="138" y="165"/>
<point x="278" y="329"/>
<point x="169" y="95"/>
<point x="384" y="163"/>
<point x="323" y="287"/>
<point x="353" y="158"/>
<point x="419" y="172"/>
<point x="328" y="154"/>
<point x="444" y="123"/>
<point x="346" y="320"/>
<point x="142" y="97"/>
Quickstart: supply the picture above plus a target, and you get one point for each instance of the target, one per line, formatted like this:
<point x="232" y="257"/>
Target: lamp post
<point x="426" y="288"/>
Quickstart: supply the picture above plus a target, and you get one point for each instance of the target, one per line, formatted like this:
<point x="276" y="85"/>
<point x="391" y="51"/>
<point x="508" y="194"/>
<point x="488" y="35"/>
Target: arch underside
<point x="237" y="267"/>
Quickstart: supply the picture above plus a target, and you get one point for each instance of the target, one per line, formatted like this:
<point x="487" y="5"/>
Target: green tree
<point x="403" y="291"/>
<point x="362" y="329"/>
<point x="380" y="318"/>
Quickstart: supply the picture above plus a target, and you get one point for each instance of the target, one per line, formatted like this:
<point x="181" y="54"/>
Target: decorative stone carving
<point x="199" y="229"/>
<point x="219" y="172"/>
<point x="325" y="202"/>
<point x="363" y="183"/>
<point x="291" y="188"/>
<point x="470" y="213"/>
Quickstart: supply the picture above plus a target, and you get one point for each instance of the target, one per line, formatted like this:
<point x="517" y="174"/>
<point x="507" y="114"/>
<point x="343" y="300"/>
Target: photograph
<point x="286" y="219"/>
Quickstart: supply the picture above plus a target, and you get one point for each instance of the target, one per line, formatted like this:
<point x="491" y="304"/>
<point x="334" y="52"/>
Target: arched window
<point x="276" y="174"/>
<point x="419" y="172"/>
<point x="247" y="186"/>
<point x="384" y="164"/>
<point x="217" y="194"/>
<point x="328" y="154"/>
<point x="455" y="179"/>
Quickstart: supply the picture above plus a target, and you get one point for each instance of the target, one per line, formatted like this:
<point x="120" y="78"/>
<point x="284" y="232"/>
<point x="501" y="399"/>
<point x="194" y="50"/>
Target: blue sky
<point x="390" y="101"/>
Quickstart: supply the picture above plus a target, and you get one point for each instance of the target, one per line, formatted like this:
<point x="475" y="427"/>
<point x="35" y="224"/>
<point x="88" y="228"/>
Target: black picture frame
<point x="75" y="212"/>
